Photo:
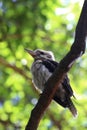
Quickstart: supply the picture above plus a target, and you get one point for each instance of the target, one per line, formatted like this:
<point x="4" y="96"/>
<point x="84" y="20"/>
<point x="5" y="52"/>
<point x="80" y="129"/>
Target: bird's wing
<point x="67" y="86"/>
<point x="51" y="66"/>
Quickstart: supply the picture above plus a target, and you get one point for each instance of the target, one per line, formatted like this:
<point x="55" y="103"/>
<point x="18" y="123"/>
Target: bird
<point x="42" y="68"/>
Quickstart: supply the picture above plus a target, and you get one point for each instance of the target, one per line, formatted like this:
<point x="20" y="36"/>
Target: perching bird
<point x="42" y="68"/>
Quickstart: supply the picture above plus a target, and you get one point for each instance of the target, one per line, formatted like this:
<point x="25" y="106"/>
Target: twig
<point x="15" y="68"/>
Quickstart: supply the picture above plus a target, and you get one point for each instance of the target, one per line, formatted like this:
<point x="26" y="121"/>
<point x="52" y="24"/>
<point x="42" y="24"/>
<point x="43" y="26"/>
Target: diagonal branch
<point x="77" y="49"/>
<point x="15" y="68"/>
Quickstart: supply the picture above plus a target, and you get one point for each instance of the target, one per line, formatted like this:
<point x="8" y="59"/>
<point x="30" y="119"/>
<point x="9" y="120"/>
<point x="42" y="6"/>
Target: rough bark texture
<point x="77" y="49"/>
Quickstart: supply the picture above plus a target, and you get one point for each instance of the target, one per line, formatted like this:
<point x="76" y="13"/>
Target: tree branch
<point x="15" y="68"/>
<point x="77" y="49"/>
<point x="18" y="70"/>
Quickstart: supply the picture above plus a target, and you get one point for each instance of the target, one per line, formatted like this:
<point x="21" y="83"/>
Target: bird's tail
<point x="72" y="109"/>
<point x="67" y="103"/>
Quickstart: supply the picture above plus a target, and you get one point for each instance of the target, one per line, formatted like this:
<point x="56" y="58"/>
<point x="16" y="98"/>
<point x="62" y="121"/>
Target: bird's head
<point x="41" y="54"/>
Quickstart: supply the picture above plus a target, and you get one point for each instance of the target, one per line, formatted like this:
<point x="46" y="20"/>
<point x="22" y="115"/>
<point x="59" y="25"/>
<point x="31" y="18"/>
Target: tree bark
<point x="77" y="49"/>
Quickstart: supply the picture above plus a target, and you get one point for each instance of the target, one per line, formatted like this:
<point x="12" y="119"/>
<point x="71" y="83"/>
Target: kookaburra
<point x="42" y="68"/>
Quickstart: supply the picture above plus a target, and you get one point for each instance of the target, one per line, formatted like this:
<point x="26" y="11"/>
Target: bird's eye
<point x="42" y="53"/>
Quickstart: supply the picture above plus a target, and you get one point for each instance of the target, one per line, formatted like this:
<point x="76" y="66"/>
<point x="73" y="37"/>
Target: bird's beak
<point x="32" y="53"/>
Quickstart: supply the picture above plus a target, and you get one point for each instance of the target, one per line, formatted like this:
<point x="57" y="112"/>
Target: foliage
<point x="33" y="24"/>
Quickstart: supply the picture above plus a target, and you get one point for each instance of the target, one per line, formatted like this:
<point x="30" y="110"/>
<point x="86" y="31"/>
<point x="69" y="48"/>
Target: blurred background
<point x="48" y="25"/>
